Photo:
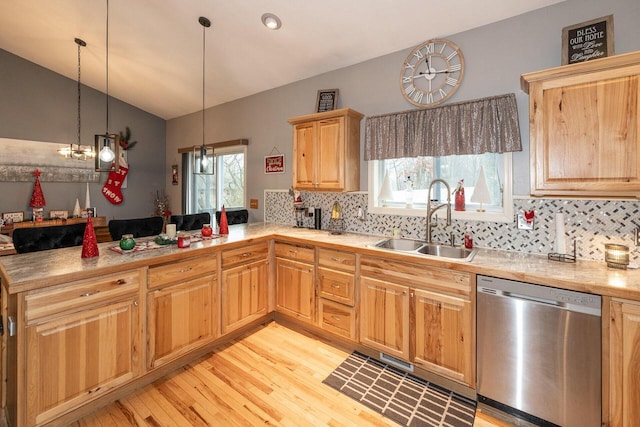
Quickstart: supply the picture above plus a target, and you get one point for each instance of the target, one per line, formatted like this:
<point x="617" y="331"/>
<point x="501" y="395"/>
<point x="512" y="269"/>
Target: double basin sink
<point x="423" y="248"/>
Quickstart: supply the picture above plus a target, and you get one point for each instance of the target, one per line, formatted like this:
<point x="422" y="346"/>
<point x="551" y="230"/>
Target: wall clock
<point x="432" y="73"/>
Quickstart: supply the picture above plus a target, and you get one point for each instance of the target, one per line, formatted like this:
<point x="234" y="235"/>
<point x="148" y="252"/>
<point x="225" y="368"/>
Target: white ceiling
<point x="155" y="46"/>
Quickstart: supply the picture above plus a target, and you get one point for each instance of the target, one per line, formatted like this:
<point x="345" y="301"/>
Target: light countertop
<point x="22" y="272"/>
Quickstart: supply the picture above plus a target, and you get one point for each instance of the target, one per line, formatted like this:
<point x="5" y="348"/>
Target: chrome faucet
<point x="431" y="210"/>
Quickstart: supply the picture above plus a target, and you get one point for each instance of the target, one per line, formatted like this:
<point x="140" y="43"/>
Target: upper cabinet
<point x="584" y="128"/>
<point x="326" y="151"/>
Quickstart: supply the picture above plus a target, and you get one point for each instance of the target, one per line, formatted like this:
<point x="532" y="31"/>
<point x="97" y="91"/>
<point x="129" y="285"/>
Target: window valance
<point x="469" y="127"/>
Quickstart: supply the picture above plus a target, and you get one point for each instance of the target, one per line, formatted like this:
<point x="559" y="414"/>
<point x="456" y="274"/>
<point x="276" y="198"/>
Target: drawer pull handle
<point x="335" y="318"/>
<point x="337" y="259"/>
<point x="291" y="251"/>
<point x="335" y="286"/>
<point x="135" y="303"/>
<point x="186" y="270"/>
<point x="120" y="282"/>
<point x="88" y="294"/>
<point x="246" y="254"/>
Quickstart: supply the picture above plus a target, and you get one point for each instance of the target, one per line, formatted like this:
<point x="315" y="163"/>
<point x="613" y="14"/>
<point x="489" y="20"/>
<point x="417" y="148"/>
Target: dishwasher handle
<point x="529" y="298"/>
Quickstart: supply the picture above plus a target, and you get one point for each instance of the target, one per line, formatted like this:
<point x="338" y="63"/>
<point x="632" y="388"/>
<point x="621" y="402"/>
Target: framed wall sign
<point x="58" y="214"/>
<point x="588" y="40"/>
<point x="274" y="163"/>
<point x="174" y="174"/>
<point x="11" y="217"/>
<point x="327" y="100"/>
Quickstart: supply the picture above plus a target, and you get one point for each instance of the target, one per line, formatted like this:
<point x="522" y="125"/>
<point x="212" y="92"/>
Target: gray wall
<point x="495" y="57"/>
<point x="40" y="105"/>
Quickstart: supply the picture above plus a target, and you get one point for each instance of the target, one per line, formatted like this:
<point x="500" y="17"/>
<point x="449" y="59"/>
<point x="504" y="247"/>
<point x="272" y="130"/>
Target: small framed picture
<point x="11" y="217"/>
<point x="327" y="100"/>
<point x="38" y="214"/>
<point x="58" y="214"/>
<point x="274" y="163"/>
<point x="174" y="174"/>
<point x="89" y="212"/>
<point x="588" y="40"/>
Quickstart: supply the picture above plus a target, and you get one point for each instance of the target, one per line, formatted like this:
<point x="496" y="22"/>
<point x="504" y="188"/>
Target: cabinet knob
<point x="135" y="303"/>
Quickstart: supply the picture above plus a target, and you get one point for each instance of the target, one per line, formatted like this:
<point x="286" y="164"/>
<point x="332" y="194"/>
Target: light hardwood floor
<point x="272" y="376"/>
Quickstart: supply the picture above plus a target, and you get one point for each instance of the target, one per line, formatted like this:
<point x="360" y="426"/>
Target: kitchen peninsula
<point x="119" y="311"/>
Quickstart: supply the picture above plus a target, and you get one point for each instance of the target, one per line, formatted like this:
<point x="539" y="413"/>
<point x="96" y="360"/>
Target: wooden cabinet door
<point x="330" y="154"/>
<point x="384" y="317"/>
<point x="443" y="327"/>
<point x="304" y="159"/>
<point x="244" y="295"/>
<point x="624" y="359"/>
<point x="76" y="357"/>
<point x="295" y="290"/>
<point x="181" y="318"/>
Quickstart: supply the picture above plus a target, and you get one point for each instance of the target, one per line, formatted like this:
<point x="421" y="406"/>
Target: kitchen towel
<point x="560" y="247"/>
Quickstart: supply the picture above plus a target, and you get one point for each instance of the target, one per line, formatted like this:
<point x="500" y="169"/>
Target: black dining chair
<point x="190" y="221"/>
<point x="33" y="239"/>
<point x="139" y="227"/>
<point x="239" y="216"/>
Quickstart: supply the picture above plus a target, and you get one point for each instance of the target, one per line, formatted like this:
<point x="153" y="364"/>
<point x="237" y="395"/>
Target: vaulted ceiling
<point x="156" y="46"/>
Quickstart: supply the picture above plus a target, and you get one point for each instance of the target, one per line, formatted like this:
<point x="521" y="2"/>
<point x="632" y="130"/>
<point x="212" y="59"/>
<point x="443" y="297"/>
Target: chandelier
<point x="78" y="151"/>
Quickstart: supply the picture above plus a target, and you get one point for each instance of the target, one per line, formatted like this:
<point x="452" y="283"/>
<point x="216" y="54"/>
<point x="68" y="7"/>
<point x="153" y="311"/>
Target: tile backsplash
<point x="591" y="223"/>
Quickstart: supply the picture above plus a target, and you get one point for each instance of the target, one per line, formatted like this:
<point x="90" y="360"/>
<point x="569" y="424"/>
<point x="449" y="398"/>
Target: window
<point x="409" y="179"/>
<point x="207" y="193"/>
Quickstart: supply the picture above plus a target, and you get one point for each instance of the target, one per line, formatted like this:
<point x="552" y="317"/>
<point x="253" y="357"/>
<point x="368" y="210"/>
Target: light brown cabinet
<point x="624" y="353"/>
<point x="337" y="293"/>
<point x="326" y="151"/>
<point x="84" y="339"/>
<point x="244" y="285"/>
<point x="585" y="128"/>
<point x="295" y="281"/>
<point x="182" y="308"/>
<point x="423" y="315"/>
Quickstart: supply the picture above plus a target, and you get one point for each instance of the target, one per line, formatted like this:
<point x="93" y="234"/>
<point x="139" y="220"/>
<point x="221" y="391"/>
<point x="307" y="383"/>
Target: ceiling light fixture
<point x="271" y="21"/>
<point x="79" y="152"/>
<point x="106" y="144"/>
<point x="201" y="163"/>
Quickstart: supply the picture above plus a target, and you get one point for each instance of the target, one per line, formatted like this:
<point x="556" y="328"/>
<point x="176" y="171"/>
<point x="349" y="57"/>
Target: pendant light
<point x="201" y="163"/>
<point x="106" y="145"/>
<point x="78" y="152"/>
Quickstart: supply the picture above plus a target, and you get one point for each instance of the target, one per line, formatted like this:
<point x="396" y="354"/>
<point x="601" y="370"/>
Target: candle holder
<point x="616" y="256"/>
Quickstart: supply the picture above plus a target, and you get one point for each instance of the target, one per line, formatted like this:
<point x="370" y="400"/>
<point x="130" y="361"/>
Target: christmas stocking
<point x="112" y="187"/>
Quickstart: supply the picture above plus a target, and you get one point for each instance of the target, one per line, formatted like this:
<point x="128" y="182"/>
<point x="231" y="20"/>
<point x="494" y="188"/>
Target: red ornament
<point x="224" y="225"/>
<point x="37" y="198"/>
<point x="89" y="241"/>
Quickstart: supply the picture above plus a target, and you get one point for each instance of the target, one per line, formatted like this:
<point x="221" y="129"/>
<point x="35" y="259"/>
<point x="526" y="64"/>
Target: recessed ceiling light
<point x="271" y="21"/>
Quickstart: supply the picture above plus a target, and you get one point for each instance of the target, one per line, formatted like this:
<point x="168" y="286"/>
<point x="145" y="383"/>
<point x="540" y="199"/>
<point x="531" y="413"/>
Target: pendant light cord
<point x="79" y="42"/>
<point x="107" y="37"/>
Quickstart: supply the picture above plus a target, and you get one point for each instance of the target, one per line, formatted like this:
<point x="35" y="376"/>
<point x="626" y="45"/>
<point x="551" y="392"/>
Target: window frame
<point x="505" y="215"/>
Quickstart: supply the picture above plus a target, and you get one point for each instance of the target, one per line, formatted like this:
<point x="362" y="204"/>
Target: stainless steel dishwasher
<point x="539" y="352"/>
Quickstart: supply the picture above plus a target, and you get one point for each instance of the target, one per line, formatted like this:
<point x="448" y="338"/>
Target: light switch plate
<point x="253" y="203"/>
<point x="523" y="224"/>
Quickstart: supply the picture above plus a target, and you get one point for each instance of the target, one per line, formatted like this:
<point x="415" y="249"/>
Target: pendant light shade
<point x="202" y="163"/>
<point x="107" y="144"/>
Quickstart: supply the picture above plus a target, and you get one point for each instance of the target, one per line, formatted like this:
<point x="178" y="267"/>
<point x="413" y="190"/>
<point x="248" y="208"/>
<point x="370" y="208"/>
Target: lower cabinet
<point x="443" y="334"/>
<point x="295" y="289"/>
<point x="244" y="286"/>
<point x="83" y="352"/>
<point x="624" y="353"/>
<point x="181" y="318"/>
<point x="423" y="315"/>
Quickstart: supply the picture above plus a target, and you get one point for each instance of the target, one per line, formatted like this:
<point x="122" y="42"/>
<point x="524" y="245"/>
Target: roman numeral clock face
<point x="432" y="73"/>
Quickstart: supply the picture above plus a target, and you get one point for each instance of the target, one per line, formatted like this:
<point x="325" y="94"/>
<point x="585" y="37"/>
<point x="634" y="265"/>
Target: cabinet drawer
<point x="419" y="276"/>
<point x="295" y="252"/>
<point x="255" y="252"/>
<point x="336" y="285"/>
<point x="181" y="270"/>
<point x="337" y="259"/>
<point x="337" y="318"/>
<point x="80" y="294"/>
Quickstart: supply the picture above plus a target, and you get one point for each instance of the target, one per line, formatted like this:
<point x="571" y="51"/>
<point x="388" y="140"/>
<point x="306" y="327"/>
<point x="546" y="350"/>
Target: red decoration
<point x="89" y="241"/>
<point x="459" y="204"/>
<point x="112" y="189"/>
<point x="37" y="198"/>
<point x="224" y="225"/>
<point x="528" y="215"/>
